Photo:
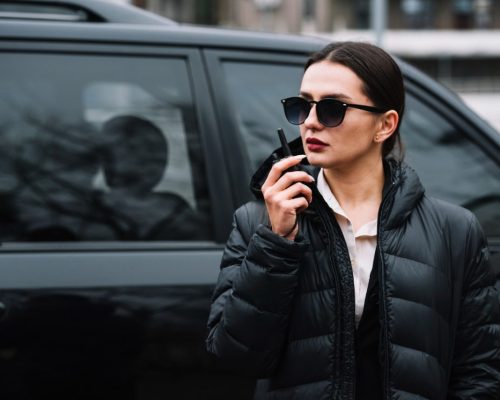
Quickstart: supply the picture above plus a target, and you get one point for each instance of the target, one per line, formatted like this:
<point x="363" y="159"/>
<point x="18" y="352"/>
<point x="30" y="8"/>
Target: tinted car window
<point x="99" y="148"/>
<point x="256" y="90"/>
<point x="451" y="166"/>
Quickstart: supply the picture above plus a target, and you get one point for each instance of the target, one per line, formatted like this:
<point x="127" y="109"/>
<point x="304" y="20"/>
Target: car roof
<point x="157" y="34"/>
<point x="78" y="11"/>
<point x="112" y="22"/>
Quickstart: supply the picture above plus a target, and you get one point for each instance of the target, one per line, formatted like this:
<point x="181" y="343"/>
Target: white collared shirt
<point x="361" y="245"/>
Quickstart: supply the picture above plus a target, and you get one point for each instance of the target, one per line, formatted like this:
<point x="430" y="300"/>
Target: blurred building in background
<point x="327" y="15"/>
<point x="455" y="41"/>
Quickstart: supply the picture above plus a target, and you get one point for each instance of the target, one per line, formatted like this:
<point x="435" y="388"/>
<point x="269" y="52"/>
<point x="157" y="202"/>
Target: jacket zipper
<point x="329" y="227"/>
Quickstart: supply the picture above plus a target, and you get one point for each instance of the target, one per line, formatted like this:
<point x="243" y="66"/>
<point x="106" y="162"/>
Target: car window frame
<point x="218" y="187"/>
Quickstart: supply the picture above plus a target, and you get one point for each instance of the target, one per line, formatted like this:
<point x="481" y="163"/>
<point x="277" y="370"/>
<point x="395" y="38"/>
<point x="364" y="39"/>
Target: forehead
<point x="326" y="78"/>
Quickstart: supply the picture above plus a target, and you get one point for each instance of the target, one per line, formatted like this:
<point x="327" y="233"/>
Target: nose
<point x="312" y="121"/>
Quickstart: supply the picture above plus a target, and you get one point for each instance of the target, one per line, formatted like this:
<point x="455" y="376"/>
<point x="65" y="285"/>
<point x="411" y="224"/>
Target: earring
<point x="377" y="138"/>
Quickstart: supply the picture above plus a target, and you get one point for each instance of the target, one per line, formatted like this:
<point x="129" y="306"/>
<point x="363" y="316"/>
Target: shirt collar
<point x="368" y="229"/>
<point x="328" y="195"/>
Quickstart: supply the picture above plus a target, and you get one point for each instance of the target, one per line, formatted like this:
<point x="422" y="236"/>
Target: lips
<point x="315" y="141"/>
<point x="315" y="145"/>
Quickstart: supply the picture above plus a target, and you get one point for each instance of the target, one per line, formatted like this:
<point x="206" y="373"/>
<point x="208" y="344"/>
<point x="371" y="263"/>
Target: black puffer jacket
<point x="284" y="311"/>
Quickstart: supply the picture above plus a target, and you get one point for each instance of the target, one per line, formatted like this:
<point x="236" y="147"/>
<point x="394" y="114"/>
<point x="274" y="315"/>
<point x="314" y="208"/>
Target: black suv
<point x="126" y="142"/>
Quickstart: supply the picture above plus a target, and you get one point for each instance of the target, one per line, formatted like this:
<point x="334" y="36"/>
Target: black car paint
<point x="121" y="320"/>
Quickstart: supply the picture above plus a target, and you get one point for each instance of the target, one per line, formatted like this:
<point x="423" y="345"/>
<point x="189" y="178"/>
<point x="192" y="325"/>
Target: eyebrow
<point x="339" y="96"/>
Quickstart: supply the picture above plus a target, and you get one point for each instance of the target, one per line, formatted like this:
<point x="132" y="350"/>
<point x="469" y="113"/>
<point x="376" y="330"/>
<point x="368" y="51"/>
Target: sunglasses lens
<point x="330" y="112"/>
<point x="296" y="110"/>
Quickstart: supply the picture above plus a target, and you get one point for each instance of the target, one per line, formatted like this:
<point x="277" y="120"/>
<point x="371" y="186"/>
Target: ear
<point x="388" y="123"/>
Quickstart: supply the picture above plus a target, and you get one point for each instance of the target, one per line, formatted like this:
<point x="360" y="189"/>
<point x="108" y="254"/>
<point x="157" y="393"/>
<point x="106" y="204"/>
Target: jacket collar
<point x="402" y="189"/>
<point x="402" y="192"/>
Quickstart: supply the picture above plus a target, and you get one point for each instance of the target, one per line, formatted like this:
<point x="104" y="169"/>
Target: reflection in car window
<point x="99" y="148"/>
<point x="450" y="165"/>
<point x="256" y="90"/>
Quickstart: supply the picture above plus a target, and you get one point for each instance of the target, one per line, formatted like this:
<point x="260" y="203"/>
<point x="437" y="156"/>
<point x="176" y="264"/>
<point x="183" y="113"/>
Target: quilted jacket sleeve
<point x="476" y="369"/>
<point x="253" y="297"/>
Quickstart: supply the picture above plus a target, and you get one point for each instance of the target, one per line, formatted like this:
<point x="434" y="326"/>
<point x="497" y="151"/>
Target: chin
<point x="320" y="160"/>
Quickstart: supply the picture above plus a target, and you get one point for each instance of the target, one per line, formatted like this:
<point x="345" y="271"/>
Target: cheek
<point x="361" y="130"/>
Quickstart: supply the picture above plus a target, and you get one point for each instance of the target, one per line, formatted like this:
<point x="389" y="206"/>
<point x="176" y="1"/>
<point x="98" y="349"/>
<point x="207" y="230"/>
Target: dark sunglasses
<point x="330" y="112"/>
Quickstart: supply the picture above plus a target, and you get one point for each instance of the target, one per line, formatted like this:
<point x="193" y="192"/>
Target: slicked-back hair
<point x="382" y="80"/>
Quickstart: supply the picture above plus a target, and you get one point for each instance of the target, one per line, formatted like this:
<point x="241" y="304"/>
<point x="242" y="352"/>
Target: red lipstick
<point x="314" y="144"/>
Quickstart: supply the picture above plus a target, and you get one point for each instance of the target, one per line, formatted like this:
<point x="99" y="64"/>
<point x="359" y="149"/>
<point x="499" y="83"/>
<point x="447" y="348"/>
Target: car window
<point x="256" y="91"/>
<point x="98" y="148"/>
<point x="450" y="165"/>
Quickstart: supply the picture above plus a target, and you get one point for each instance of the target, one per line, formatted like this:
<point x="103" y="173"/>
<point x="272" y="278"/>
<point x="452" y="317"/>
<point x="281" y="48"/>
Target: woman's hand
<point x="286" y="195"/>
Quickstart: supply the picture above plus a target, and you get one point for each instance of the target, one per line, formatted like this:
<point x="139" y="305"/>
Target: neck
<point x="357" y="185"/>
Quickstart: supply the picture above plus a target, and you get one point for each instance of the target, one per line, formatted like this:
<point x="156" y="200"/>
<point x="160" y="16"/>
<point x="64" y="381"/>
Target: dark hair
<point x="382" y="78"/>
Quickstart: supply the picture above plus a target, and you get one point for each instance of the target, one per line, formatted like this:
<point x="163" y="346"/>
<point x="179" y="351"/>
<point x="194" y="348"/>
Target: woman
<point x="347" y="281"/>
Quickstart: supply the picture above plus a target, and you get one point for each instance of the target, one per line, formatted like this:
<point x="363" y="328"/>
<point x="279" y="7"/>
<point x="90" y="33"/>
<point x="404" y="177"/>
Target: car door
<point x="455" y="153"/>
<point x="114" y="207"/>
